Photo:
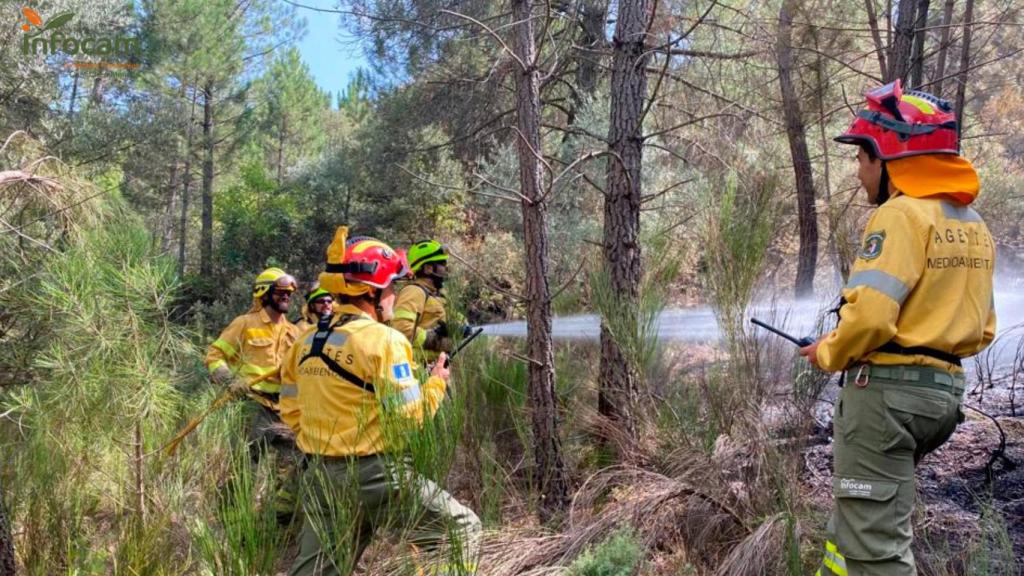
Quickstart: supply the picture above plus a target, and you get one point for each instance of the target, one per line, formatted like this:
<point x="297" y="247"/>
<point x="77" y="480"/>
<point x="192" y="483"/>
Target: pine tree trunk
<point x="965" y="65"/>
<point x="802" y="171"/>
<point x="7" y="560"/>
<point x="940" y="66"/>
<point x="206" y="233"/>
<point x="74" y="95"/>
<point x="899" y="55"/>
<point x="619" y="390"/>
<point x="553" y="484"/>
<point x="186" y="183"/>
<point x="593" y="14"/>
<point x="98" y="88"/>
<point x="917" y="62"/>
<point x="172" y="197"/>
<point x="876" y="35"/>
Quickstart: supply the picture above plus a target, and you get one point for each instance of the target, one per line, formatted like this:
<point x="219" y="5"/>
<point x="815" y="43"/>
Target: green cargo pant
<point x="347" y="500"/>
<point x="267" y="435"/>
<point x="886" y="420"/>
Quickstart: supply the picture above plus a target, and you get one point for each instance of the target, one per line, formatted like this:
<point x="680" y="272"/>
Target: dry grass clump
<point x="666" y="514"/>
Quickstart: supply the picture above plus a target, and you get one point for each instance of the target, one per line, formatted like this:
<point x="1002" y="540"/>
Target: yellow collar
<point x="264" y="317"/>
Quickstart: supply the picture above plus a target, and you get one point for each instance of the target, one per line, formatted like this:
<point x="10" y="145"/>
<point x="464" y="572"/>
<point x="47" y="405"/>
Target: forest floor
<point x="960" y="509"/>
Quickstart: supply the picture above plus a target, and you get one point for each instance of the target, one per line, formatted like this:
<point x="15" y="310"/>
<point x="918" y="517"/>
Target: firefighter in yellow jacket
<point x="918" y="300"/>
<point x="247" y="357"/>
<point x="420" y="307"/>
<point x="350" y="393"/>
<point x="319" y="303"/>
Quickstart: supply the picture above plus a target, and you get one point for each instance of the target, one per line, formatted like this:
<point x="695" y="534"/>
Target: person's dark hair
<point x="869" y="150"/>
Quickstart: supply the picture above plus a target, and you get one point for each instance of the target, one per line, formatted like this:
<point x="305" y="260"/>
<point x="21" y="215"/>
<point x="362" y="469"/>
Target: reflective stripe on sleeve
<point x="267" y="386"/>
<point x="884" y="282"/>
<point x="225" y="347"/>
<point x="289" y="391"/>
<point x="402" y="314"/>
<point x="411" y="394"/>
<point x="961" y="213"/>
<point x="254" y="370"/>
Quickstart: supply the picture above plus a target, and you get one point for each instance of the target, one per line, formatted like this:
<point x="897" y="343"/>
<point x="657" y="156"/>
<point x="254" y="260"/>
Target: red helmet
<point x="897" y="124"/>
<point x="355" y="265"/>
<point x="371" y="262"/>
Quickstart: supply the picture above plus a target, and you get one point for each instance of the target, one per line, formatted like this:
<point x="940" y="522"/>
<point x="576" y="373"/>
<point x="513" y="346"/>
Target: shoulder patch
<point x="401" y="372"/>
<point x="872" y="245"/>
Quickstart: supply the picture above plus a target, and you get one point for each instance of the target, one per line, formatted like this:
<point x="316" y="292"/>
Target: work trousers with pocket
<point x="887" y="418"/>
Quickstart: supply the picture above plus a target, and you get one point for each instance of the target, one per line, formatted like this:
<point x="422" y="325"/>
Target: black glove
<point x="441" y="329"/>
<point x="437" y="339"/>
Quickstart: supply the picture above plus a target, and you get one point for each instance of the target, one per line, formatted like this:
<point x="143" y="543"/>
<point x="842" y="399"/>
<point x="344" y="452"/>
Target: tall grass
<point x="243" y="537"/>
<point x="739" y="223"/>
<point x="634" y="325"/>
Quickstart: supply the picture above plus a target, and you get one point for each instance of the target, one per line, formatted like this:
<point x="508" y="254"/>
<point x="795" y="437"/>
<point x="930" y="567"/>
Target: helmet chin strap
<point x="377" y="294"/>
<point x="883" y="186"/>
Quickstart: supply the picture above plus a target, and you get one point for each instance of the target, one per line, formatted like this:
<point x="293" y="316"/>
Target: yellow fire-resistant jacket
<point x="922" y="278"/>
<point x="251" y="346"/>
<point x="334" y="416"/>
<point x="307" y="320"/>
<point x="418" y="309"/>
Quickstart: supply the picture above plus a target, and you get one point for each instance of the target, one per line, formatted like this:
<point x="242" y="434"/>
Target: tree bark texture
<point x="899" y="55"/>
<point x="619" y="390"/>
<point x="917" y="61"/>
<point x="965" y="65"/>
<point x="206" y="234"/>
<point x="802" y="171"/>
<point x="7" y="560"/>
<point x="172" y="196"/>
<point x="940" y="67"/>
<point x="552" y="481"/>
<point x="876" y="35"/>
<point x="186" y="183"/>
<point x="593" y="14"/>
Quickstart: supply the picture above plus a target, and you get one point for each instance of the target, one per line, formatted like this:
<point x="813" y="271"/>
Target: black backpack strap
<point x="324" y="329"/>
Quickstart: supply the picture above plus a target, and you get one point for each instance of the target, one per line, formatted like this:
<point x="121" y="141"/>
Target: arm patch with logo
<point x="872" y="245"/>
<point x="402" y="373"/>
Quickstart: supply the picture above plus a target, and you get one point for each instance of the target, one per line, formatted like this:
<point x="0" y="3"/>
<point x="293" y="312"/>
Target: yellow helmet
<point x="272" y="277"/>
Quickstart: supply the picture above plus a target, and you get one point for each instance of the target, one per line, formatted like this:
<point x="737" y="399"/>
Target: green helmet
<point x="425" y="252"/>
<point x="316" y="294"/>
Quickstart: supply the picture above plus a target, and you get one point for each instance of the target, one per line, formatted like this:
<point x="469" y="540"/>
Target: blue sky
<point x="330" y="52"/>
